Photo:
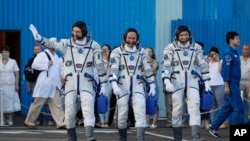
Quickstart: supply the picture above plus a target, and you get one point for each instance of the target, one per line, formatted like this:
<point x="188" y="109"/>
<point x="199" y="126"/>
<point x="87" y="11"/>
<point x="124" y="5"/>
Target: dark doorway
<point x="11" y="39"/>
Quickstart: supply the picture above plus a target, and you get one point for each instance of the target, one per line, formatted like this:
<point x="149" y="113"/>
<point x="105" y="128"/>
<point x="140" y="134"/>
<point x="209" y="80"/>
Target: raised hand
<point x="35" y="33"/>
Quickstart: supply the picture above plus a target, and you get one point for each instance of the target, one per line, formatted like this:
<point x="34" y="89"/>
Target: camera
<point x="212" y="55"/>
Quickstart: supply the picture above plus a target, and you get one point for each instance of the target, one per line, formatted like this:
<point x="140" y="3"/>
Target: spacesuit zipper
<point x="78" y="84"/>
<point x="131" y="90"/>
<point x="185" y="88"/>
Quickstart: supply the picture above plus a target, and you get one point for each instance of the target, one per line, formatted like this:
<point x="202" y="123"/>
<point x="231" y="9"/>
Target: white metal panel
<point x="166" y="10"/>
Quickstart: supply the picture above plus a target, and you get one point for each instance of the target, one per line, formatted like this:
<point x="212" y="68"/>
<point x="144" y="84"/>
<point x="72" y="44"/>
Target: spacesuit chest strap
<point x="184" y="62"/>
<point x="85" y="59"/>
<point x="129" y="67"/>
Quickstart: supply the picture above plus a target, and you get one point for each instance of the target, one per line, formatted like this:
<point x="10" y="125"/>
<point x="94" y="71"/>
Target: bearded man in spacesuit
<point x="127" y="62"/>
<point x="179" y="59"/>
<point x="80" y="54"/>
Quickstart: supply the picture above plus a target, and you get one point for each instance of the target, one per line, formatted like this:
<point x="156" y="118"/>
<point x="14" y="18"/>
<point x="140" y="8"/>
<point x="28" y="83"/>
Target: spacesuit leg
<point x="122" y="107"/>
<point x="177" y="101"/>
<point x="70" y="109"/>
<point x="70" y="105"/>
<point x="139" y="106"/>
<point x="193" y="103"/>
<point x="87" y="104"/>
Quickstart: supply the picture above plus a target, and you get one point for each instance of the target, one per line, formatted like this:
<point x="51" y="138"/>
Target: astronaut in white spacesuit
<point x="80" y="54"/>
<point x="127" y="62"/>
<point x="179" y="59"/>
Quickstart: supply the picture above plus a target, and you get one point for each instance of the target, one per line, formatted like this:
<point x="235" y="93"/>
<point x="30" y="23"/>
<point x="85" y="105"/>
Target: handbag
<point x="206" y="100"/>
<point x="151" y="105"/>
<point x="102" y="104"/>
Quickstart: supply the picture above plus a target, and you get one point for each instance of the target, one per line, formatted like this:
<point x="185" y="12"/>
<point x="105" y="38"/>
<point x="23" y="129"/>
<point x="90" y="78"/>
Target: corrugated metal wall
<point x="208" y="9"/>
<point x="107" y="20"/>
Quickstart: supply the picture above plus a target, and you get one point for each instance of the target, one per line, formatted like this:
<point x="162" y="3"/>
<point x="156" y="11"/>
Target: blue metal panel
<point x="213" y="32"/>
<point x="107" y="20"/>
<point x="208" y="9"/>
<point x="242" y="9"/>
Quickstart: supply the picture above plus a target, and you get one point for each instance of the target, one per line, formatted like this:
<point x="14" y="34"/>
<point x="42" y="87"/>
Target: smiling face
<point x="184" y="37"/>
<point x="77" y="33"/>
<point x="150" y="52"/>
<point x="131" y="39"/>
<point x="105" y="51"/>
<point x="5" y="54"/>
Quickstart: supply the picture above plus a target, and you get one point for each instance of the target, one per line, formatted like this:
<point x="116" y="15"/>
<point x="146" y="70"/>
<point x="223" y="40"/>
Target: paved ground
<point x="18" y="132"/>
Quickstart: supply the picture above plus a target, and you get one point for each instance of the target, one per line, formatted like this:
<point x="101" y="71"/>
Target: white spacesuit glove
<point x="103" y="89"/>
<point x="152" y="90"/>
<point x="169" y="86"/>
<point x="116" y="89"/>
<point x="35" y="33"/>
<point x="207" y="86"/>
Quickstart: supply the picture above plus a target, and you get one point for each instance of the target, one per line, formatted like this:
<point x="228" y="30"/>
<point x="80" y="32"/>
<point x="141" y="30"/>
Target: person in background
<point x="45" y="114"/>
<point x="231" y="73"/>
<point x="154" y="65"/>
<point x="30" y="85"/>
<point x="106" y="50"/>
<point x="245" y="77"/>
<point x="46" y="89"/>
<point x="9" y="83"/>
<point x="216" y="83"/>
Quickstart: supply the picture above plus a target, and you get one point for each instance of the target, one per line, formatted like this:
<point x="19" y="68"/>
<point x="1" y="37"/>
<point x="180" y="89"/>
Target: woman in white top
<point x="9" y="82"/>
<point x="216" y="82"/>
<point x="154" y="65"/>
<point x="104" y="118"/>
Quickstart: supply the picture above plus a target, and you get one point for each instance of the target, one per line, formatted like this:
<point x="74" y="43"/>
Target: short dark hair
<point x="201" y="44"/>
<point x="214" y="49"/>
<point x="5" y="48"/>
<point x="231" y="35"/>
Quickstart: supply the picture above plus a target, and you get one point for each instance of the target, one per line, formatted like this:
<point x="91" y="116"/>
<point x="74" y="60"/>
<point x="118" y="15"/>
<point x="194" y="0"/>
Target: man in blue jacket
<point x="233" y="105"/>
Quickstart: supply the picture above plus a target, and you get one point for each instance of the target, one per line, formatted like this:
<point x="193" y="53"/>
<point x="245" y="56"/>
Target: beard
<point x="130" y="43"/>
<point x="77" y="37"/>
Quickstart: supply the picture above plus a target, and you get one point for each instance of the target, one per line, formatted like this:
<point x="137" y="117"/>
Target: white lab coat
<point x="46" y="85"/>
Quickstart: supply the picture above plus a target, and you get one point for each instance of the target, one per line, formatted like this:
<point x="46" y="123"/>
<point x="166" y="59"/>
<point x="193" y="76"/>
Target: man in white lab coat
<point x="48" y="82"/>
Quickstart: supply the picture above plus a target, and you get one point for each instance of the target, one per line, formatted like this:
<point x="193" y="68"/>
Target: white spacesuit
<point x="178" y="61"/>
<point x="79" y="58"/>
<point x="126" y="65"/>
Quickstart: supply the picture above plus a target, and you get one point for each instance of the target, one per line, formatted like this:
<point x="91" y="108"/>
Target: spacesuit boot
<point x="177" y="133"/>
<point x="72" y="134"/>
<point x="123" y="134"/>
<point x="89" y="133"/>
<point x="140" y="133"/>
<point x="196" y="133"/>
